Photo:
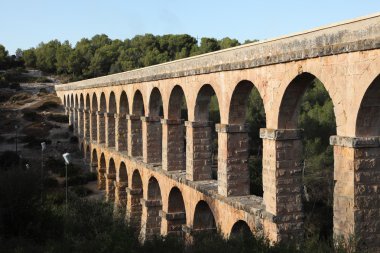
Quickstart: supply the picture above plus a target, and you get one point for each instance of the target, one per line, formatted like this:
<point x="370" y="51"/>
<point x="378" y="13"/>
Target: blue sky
<point x="25" y="23"/>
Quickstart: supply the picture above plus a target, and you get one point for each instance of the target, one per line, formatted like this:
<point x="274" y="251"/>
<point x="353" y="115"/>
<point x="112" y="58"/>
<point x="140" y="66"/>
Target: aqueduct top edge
<point x="349" y="36"/>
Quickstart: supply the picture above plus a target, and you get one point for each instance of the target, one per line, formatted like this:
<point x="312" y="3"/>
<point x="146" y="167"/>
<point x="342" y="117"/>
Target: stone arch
<point x="120" y="191"/>
<point x="88" y="103"/>
<point x="124" y="104"/>
<point x="72" y="101"/>
<point x="155" y="103"/>
<point x="151" y="125"/>
<point x="240" y="229"/>
<point x="110" y="179"/>
<point x="134" y="207"/>
<point x="135" y="126"/>
<point x="174" y="143"/>
<point x="64" y="100"/>
<point x="138" y="104"/>
<point x="368" y="119"/>
<point x="291" y="155"/>
<point x="176" y="101"/>
<point x="291" y="100"/>
<point x="121" y="123"/>
<point x="81" y="104"/>
<point x="123" y="173"/>
<point x="94" y="161"/>
<point x="87" y="117"/>
<point x="204" y="220"/>
<point x="94" y="121"/>
<point x="201" y="138"/>
<point x="176" y="216"/>
<point x="101" y="172"/>
<point x="151" y="219"/>
<point x="76" y="105"/>
<point x="248" y="151"/>
<point x="102" y="119"/>
<point x="202" y="104"/>
<point x="110" y="121"/>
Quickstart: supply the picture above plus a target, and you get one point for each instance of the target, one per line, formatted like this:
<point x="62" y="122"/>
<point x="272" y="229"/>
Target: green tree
<point x="30" y="57"/>
<point x="227" y="43"/>
<point x="63" y="55"/>
<point x="3" y="57"/>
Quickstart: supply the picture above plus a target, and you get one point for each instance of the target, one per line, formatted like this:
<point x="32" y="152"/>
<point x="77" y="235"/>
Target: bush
<point x="31" y="115"/>
<point x="48" y="105"/>
<point x="43" y="79"/>
<point x="55" y="165"/>
<point x="60" y="118"/>
<point x="81" y="191"/>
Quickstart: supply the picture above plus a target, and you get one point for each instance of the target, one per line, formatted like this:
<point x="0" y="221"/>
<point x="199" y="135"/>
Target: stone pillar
<point x="110" y="186"/>
<point x="101" y="127"/>
<point x="357" y="190"/>
<point x="87" y="116"/>
<point x="134" y="208"/>
<point x="282" y="183"/>
<point x="150" y="220"/>
<point x="134" y="136"/>
<point x="198" y="151"/>
<point x="151" y="139"/>
<point x="93" y="126"/>
<point x="121" y="134"/>
<point x="101" y="179"/>
<point x="171" y="223"/>
<point x="233" y="172"/>
<point x="120" y="198"/>
<point x="173" y="145"/>
<point x="80" y="123"/>
<point x="110" y="129"/>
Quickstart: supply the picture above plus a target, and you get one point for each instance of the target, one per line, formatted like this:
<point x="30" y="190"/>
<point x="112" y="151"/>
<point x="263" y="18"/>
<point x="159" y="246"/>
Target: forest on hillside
<point x="101" y="55"/>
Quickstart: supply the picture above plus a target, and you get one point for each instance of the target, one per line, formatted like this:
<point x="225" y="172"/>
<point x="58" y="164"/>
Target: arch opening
<point x="176" y="211"/>
<point x="204" y="220"/>
<point x="173" y="147"/>
<point x="307" y="105"/>
<point x="134" y="209"/>
<point x="102" y="118"/>
<point x="94" y="121"/>
<point x="368" y="119"/>
<point x="240" y="230"/>
<point x="121" y="141"/>
<point x="101" y="171"/>
<point x="135" y="126"/>
<point x="247" y="109"/>
<point x="110" y="121"/>
<point x="207" y="110"/>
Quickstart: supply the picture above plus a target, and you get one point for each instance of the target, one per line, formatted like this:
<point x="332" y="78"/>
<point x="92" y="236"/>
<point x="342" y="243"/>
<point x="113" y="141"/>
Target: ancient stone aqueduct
<point x="157" y="169"/>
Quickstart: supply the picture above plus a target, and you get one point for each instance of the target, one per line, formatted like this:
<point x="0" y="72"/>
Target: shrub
<point x="60" y="118"/>
<point x="81" y="191"/>
<point x="54" y="165"/>
<point x="31" y="115"/>
<point x="48" y="105"/>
